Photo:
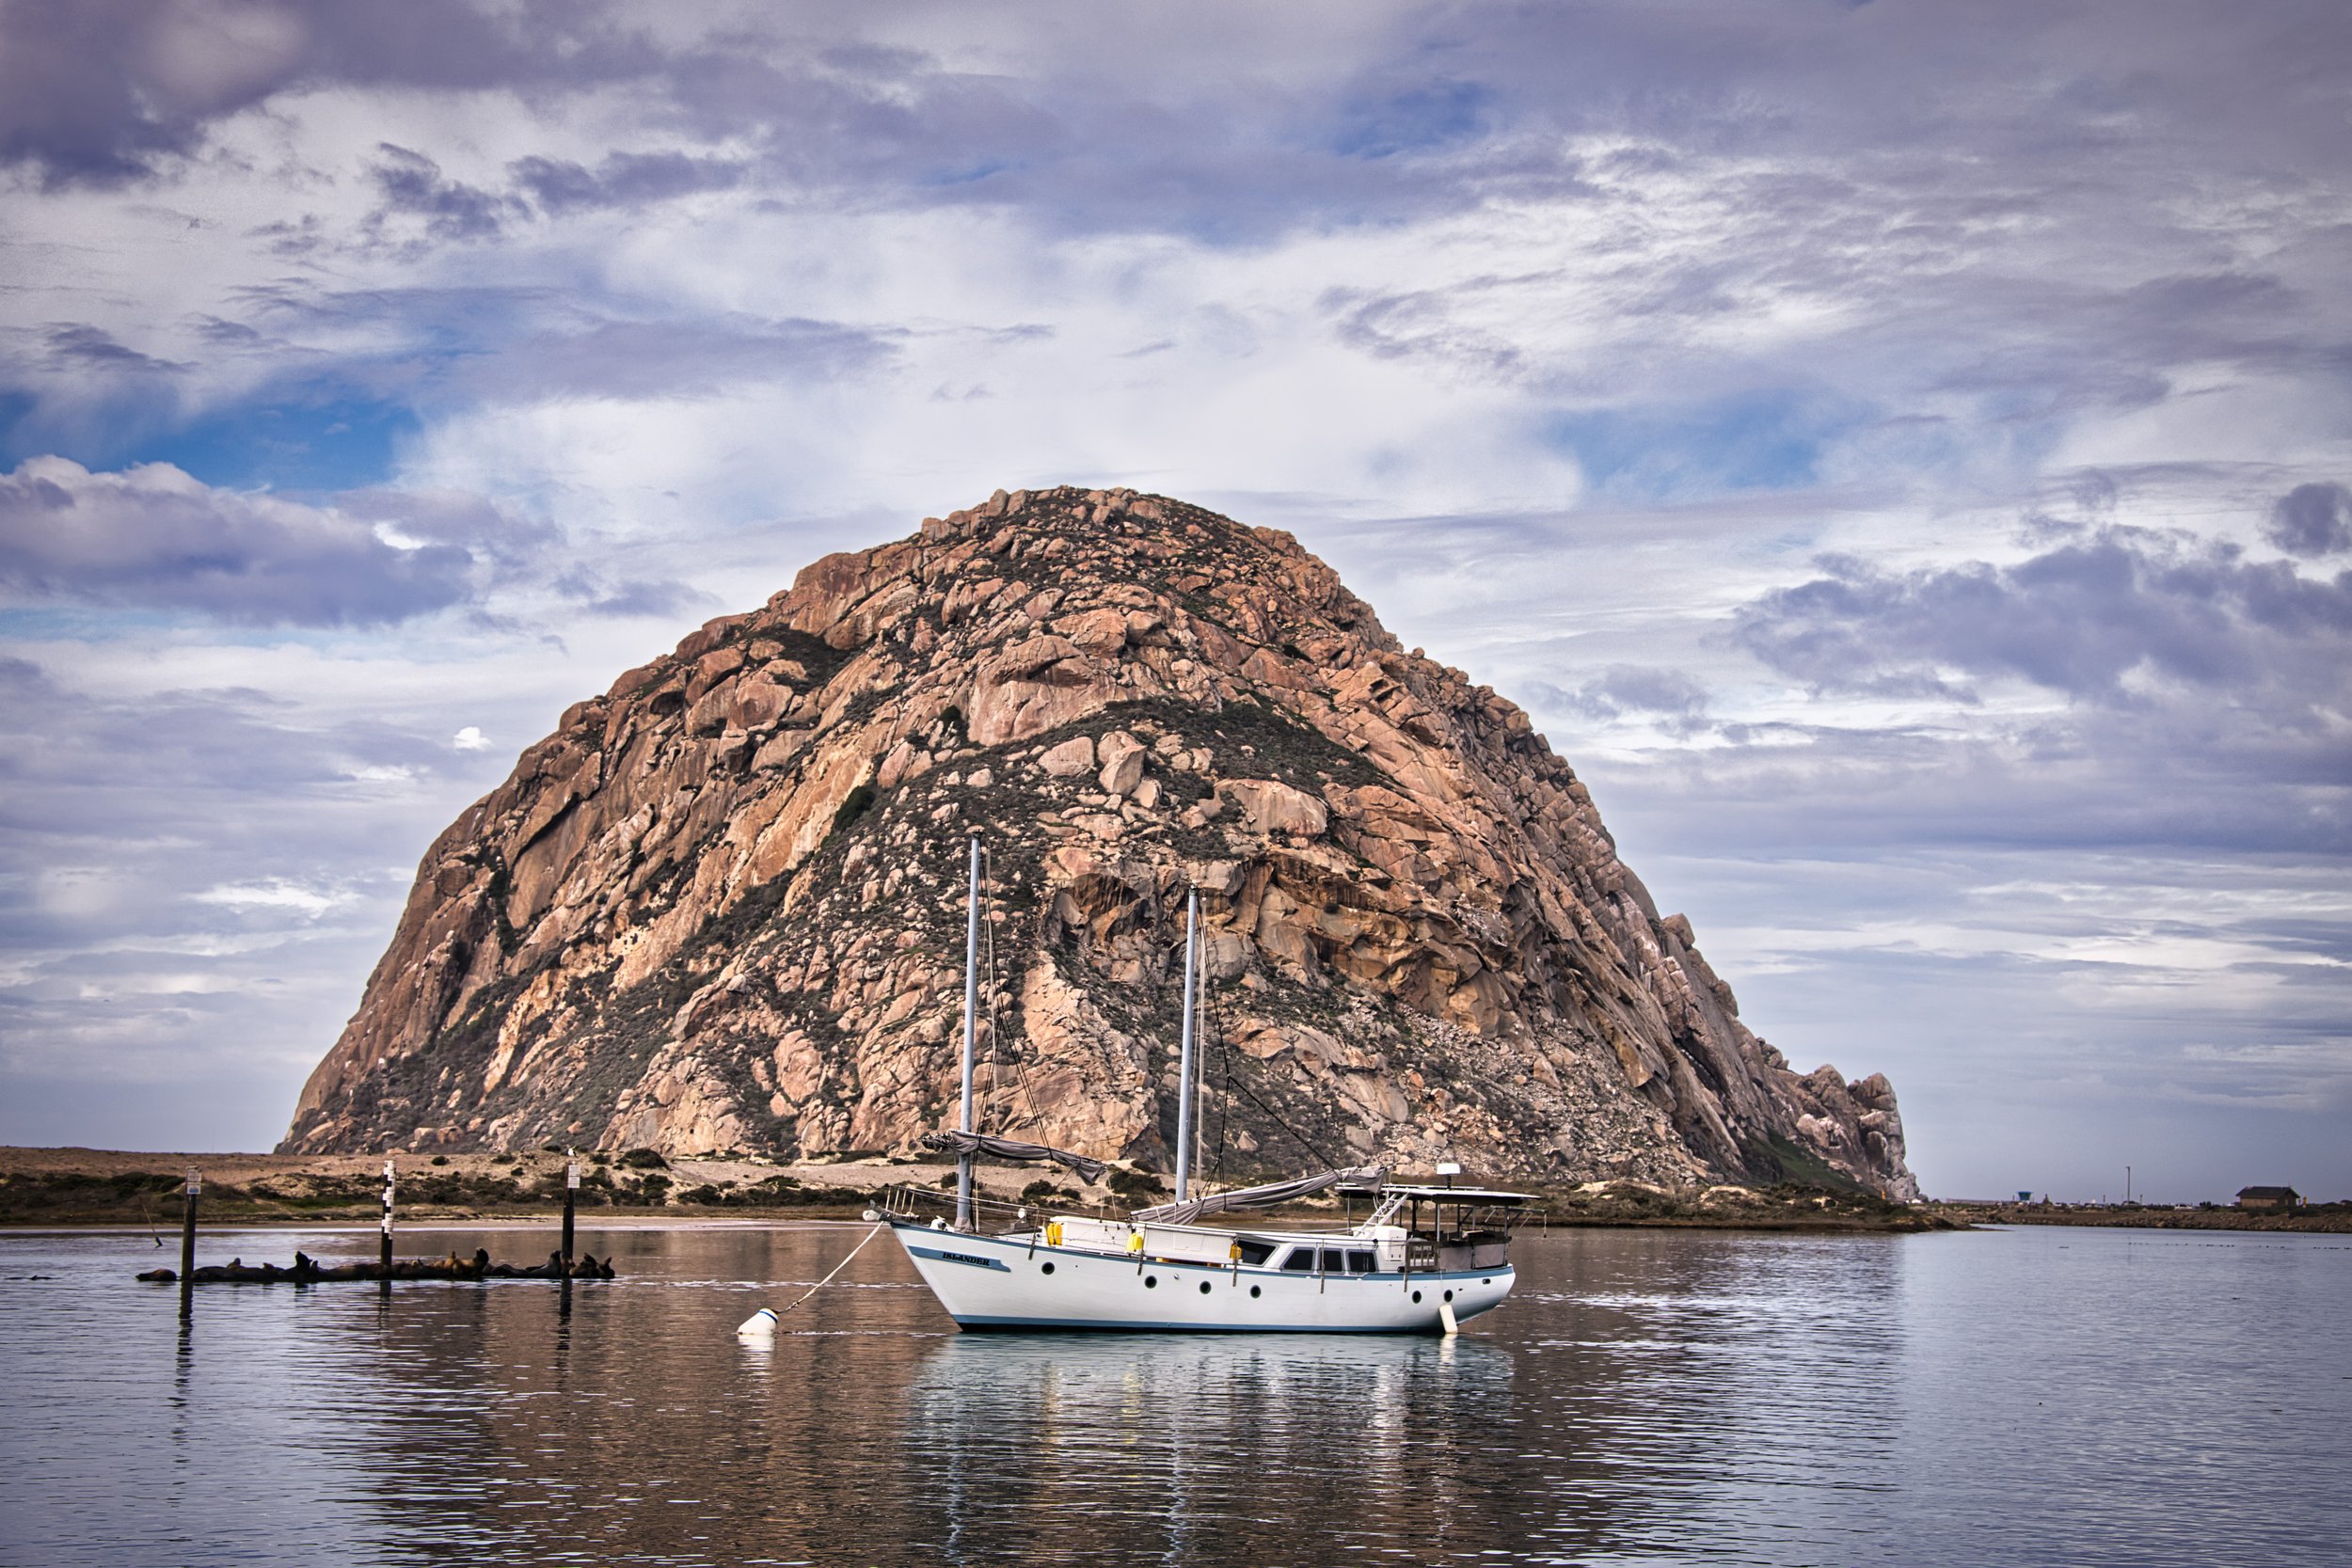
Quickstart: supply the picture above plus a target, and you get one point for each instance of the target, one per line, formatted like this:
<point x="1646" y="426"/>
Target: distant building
<point x="2269" y="1197"/>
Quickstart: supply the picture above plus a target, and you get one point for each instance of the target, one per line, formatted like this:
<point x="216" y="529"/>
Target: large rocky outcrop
<point x="722" y="907"/>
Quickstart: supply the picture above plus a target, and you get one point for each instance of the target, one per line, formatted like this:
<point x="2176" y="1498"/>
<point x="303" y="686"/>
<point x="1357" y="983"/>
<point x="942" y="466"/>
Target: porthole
<point x="1253" y="1290"/>
<point x="1416" y="1298"/>
<point x="1204" y="1287"/>
<point x="1449" y="1295"/>
<point x="1150" y="1282"/>
<point x="1045" y="1267"/>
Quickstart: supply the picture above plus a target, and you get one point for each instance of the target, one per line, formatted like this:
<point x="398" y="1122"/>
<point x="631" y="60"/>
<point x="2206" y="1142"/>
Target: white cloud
<point x="1569" y="334"/>
<point x="273" y="894"/>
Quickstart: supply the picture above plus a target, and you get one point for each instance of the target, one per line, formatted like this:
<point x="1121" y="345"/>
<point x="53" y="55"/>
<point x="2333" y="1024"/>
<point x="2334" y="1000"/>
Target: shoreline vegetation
<point x="84" y="1186"/>
<point x="2321" y="1218"/>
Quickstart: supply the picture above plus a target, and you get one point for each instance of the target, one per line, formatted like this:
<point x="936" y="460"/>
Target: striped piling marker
<point x="384" y="1245"/>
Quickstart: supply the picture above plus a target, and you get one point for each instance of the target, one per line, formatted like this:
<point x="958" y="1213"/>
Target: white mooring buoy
<point x="759" y="1325"/>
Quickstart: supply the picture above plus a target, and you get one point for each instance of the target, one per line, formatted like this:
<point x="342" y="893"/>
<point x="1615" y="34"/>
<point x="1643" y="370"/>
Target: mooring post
<point x="384" y="1245"/>
<point x="187" y="1245"/>
<point x="571" y="1197"/>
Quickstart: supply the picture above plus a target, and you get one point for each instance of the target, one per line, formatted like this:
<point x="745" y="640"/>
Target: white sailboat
<point x="1427" y="1256"/>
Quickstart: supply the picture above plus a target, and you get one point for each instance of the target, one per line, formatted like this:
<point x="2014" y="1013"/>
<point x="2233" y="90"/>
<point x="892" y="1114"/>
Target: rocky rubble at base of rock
<point x="722" y="907"/>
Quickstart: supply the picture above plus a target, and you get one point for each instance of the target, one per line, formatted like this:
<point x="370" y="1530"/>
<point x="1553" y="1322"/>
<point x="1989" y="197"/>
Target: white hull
<point x="1015" y="1282"/>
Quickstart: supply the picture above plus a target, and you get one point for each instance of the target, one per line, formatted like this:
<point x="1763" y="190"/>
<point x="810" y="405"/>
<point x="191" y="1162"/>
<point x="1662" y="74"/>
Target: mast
<point x="1183" y="1062"/>
<point x="971" y="1024"/>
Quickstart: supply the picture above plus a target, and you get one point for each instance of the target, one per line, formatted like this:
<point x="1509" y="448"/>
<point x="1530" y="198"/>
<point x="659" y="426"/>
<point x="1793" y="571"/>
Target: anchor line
<point x="838" y="1267"/>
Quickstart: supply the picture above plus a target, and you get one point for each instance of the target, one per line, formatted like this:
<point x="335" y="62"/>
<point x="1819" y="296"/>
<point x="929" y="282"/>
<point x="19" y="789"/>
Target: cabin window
<point x="1301" y="1260"/>
<point x="1362" y="1262"/>
<point x="1334" y="1260"/>
<point x="1255" y="1253"/>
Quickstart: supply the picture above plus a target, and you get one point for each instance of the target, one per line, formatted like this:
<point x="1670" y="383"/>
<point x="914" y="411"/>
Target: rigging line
<point x="1020" y="1063"/>
<point x="1201" y="1048"/>
<point x="1225" y="1056"/>
<point x="1295" y="1134"/>
<point x="988" y="972"/>
<point x="996" y="1056"/>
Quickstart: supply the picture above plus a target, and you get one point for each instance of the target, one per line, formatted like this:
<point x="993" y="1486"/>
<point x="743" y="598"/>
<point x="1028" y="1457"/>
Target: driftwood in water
<point x="309" y="1270"/>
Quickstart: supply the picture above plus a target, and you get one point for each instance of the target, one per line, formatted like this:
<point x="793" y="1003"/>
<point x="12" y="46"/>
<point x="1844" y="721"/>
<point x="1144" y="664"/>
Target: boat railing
<point x="905" y="1200"/>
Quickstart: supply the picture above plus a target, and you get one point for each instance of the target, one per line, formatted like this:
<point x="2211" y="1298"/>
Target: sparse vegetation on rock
<point x="721" y="908"/>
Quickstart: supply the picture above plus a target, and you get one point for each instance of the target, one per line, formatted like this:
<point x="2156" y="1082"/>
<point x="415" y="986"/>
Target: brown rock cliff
<point x="722" y="906"/>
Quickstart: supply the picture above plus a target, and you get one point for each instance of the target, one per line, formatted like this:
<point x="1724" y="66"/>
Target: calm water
<point x="2006" y="1397"/>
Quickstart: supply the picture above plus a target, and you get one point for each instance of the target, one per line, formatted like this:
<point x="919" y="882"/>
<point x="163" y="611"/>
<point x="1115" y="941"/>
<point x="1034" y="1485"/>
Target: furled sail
<point x="1087" y="1169"/>
<point x="1261" y="1197"/>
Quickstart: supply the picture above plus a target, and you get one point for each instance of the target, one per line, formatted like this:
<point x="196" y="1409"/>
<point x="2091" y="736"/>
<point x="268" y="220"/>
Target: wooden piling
<point x="187" y="1244"/>
<point x="571" y="1197"/>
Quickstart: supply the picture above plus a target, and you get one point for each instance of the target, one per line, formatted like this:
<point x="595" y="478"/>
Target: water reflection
<point x="1141" y="1447"/>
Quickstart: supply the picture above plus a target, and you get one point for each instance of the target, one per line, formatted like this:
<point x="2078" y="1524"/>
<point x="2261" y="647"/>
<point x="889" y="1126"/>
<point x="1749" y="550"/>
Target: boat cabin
<point x="1410" y="1229"/>
<point x="1449" y="1227"/>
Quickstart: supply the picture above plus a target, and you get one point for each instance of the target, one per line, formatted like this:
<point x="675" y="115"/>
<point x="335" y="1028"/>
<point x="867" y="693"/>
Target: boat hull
<point x="1018" y="1282"/>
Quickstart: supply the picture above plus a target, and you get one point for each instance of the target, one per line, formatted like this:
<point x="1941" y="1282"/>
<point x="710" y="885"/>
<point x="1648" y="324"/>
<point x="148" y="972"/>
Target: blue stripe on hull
<point x="1017" y="1323"/>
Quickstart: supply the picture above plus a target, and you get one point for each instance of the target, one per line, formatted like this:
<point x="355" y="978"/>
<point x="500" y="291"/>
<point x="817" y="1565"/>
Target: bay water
<point x="2009" y="1397"/>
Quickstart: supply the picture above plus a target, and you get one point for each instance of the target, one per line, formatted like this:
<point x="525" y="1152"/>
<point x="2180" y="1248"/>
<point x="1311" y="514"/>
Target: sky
<point x="1897" y="451"/>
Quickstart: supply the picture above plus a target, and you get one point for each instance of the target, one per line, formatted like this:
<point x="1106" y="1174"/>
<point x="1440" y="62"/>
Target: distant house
<point x="2269" y="1197"/>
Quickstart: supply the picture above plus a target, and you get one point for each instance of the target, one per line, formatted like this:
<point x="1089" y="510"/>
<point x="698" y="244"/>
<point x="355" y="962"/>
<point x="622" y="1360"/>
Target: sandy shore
<point x="85" y="1186"/>
<point x="92" y="1186"/>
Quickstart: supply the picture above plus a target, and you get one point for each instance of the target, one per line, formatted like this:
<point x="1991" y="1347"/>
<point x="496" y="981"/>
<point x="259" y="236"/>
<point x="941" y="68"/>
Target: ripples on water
<point x="2018" y="1397"/>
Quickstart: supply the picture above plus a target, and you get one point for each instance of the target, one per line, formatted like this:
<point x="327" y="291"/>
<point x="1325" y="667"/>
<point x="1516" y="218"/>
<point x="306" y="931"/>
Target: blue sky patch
<point x="1414" y="120"/>
<point x="1764" y="440"/>
<point x="339" y="443"/>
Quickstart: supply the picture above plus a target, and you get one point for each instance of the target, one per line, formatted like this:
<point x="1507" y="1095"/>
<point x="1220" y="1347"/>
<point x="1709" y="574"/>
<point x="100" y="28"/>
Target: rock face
<point x="722" y="907"/>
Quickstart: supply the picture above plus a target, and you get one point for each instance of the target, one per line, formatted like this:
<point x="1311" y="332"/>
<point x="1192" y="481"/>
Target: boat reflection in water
<point x="1124" y="1447"/>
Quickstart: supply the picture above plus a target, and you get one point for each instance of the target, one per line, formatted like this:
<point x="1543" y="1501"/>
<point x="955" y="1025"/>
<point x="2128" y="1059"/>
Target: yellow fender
<point x="1052" y="1232"/>
<point x="1134" y="1241"/>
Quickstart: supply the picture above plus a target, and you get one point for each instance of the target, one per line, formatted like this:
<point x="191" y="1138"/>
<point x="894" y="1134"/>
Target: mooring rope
<point x="838" y="1267"/>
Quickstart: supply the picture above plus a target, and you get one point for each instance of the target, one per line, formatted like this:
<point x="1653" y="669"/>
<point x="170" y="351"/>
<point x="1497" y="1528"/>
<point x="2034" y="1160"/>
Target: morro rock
<point x="722" y="907"/>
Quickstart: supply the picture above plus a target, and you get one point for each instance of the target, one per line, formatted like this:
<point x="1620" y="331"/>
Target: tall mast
<point x="971" y="1025"/>
<point x="1184" y="1063"/>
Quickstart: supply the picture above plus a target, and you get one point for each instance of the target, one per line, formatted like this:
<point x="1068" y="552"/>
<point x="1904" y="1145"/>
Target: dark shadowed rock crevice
<point x="722" y="907"/>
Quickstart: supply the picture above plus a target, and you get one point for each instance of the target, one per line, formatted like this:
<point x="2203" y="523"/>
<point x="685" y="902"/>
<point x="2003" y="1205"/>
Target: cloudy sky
<point x="1898" y="451"/>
